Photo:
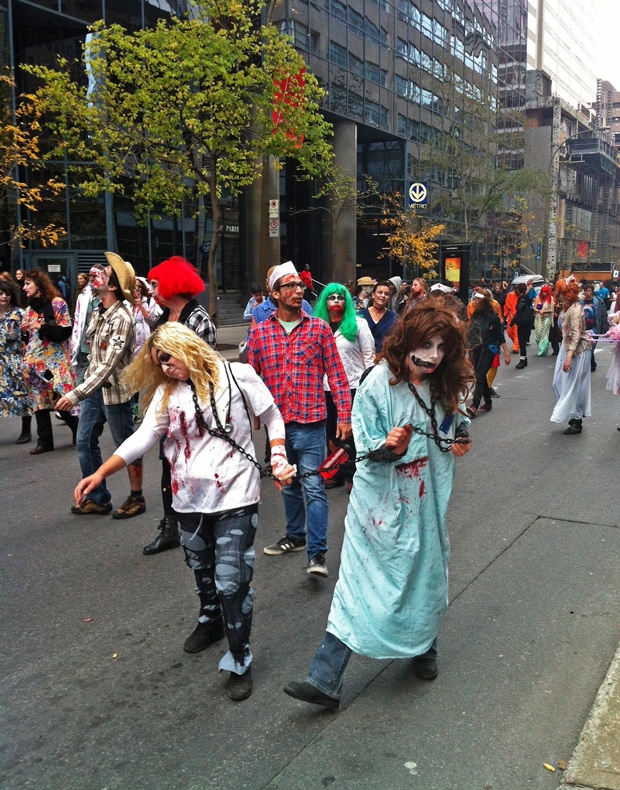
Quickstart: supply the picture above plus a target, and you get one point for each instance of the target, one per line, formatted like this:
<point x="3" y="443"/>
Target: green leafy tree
<point x="188" y="108"/>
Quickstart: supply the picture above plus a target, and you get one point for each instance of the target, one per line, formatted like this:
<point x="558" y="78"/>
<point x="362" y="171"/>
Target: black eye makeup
<point x="163" y="357"/>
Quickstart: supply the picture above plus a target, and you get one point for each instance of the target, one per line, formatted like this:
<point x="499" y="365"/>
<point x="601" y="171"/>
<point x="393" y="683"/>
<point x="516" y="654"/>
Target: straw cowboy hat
<point x="125" y="273"/>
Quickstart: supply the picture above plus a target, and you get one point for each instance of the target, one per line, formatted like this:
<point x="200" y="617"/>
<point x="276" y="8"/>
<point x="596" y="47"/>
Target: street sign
<point x="274" y="209"/>
<point x="418" y="194"/>
<point x="274" y="228"/>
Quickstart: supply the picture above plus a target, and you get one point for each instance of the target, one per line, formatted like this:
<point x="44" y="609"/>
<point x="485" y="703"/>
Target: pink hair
<point x="177" y="277"/>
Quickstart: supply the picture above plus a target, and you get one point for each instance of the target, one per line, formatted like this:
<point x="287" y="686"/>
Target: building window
<point x="338" y="54"/>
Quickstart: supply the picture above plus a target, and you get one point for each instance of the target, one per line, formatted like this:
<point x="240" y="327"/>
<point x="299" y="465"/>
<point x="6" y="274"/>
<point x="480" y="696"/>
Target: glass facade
<point x="37" y="32"/>
<point x="561" y="43"/>
<point x="407" y="72"/>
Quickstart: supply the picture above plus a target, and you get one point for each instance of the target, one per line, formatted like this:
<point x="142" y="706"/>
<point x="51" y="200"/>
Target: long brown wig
<point x="44" y="284"/>
<point x="450" y="382"/>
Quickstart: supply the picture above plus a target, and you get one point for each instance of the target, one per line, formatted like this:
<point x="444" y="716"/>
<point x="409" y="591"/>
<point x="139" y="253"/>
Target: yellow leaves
<point x="19" y="152"/>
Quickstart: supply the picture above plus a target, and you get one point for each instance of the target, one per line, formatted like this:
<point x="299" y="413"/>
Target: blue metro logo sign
<point x="418" y="194"/>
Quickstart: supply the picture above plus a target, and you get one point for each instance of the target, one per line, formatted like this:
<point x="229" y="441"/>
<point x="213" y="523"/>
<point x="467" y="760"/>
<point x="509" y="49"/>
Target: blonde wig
<point x="183" y="344"/>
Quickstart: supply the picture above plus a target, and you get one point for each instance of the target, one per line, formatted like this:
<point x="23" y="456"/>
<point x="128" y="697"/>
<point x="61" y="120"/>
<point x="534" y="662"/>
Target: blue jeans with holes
<point x="330" y="661"/>
<point x="93" y="416"/>
<point x="305" y="446"/>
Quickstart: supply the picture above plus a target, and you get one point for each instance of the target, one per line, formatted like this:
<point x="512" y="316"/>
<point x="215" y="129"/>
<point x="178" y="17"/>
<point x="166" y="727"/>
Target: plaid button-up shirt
<point x="194" y="317"/>
<point x="293" y="367"/>
<point x="112" y="336"/>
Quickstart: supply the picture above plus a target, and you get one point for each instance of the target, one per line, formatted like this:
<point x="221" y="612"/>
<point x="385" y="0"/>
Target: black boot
<point x="203" y="635"/>
<point x="168" y="537"/>
<point x="25" y="436"/>
<point x="574" y="426"/>
<point x="522" y="364"/>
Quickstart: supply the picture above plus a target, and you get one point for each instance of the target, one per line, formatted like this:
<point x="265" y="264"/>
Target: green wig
<point x="348" y="322"/>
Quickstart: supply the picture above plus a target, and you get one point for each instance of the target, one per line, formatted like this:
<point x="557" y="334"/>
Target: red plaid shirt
<point x="293" y="367"/>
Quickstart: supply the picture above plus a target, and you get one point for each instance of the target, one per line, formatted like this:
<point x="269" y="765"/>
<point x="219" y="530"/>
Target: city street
<point x="98" y="693"/>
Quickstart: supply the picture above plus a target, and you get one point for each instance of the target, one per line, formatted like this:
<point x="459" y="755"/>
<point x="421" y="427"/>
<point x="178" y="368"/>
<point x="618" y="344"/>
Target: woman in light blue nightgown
<point x="392" y="592"/>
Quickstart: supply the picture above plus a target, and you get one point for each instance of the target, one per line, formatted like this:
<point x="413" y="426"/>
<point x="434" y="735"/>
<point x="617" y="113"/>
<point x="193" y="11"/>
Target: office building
<point x="561" y="45"/>
<point x="399" y="74"/>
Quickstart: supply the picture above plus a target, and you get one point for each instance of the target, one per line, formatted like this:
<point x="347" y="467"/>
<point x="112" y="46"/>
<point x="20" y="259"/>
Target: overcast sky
<point x="607" y="40"/>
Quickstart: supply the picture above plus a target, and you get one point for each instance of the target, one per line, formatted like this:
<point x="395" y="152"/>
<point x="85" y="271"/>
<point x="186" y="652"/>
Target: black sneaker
<point x="494" y="393"/>
<point x="240" y="686"/>
<point x="306" y="692"/>
<point x="425" y="668"/>
<point x="203" y="635"/>
<point x="317" y="565"/>
<point x="285" y="545"/>
<point x="574" y="426"/>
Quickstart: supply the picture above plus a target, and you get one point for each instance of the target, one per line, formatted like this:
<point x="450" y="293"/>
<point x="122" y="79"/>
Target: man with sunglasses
<point x="294" y="351"/>
<point x="102" y="394"/>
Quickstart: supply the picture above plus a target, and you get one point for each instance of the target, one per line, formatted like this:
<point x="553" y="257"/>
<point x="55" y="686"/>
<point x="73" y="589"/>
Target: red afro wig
<point x="177" y="277"/>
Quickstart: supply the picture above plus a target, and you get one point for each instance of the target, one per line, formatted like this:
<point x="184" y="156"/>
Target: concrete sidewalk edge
<point x="595" y="763"/>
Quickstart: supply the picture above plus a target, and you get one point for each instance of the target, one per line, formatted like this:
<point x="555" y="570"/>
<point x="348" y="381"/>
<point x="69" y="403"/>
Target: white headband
<point x="281" y="271"/>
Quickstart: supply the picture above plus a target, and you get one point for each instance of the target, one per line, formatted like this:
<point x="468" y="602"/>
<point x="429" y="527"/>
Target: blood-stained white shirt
<point x="208" y="474"/>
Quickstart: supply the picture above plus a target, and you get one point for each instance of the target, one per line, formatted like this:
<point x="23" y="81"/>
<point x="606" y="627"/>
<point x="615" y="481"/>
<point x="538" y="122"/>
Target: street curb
<point x="595" y="763"/>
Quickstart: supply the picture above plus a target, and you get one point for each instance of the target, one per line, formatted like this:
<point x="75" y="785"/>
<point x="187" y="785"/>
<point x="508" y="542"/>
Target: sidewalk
<point x="228" y="339"/>
<point x="596" y="760"/>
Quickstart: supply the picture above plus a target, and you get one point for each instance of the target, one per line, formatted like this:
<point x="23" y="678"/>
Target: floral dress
<point x="47" y="365"/>
<point x="14" y="397"/>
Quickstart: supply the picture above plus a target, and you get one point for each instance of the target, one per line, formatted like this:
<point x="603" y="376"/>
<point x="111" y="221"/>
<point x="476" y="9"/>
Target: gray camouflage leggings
<point x="219" y="548"/>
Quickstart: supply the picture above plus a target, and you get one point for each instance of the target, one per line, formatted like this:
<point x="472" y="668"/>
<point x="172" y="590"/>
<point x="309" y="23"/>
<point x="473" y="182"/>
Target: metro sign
<point x="418" y="194"/>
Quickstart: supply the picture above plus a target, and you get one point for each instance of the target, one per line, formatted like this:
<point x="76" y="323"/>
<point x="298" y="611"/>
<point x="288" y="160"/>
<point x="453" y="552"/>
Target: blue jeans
<point x="305" y="446"/>
<point x="93" y="416"/>
<point x="330" y="661"/>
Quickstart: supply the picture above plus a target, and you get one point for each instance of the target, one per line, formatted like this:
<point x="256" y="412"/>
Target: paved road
<point x="116" y="703"/>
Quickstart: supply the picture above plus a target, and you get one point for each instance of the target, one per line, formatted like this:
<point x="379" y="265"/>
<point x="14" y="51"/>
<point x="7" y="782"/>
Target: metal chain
<point x="435" y="432"/>
<point x="266" y="471"/>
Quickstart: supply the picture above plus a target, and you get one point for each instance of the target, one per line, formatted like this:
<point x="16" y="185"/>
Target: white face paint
<point x="335" y="304"/>
<point x="98" y="279"/>
<point x="430" y="354"/>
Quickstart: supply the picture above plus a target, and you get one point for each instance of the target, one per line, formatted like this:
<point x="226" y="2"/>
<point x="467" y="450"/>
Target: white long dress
<point x="572" y="389"/>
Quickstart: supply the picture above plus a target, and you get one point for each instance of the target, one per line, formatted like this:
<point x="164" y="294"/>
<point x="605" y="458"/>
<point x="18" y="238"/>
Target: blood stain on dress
<point x="188" y="449"/>
<point x="413" y="469"/>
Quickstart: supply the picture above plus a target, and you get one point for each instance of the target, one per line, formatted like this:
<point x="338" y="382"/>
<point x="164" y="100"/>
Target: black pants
<point x="219" y="548"/>
<point x="483" y="359"/>
<point x="347" y="470"/>
<point x="44" y="426"/>
<point x="523" y="336"/>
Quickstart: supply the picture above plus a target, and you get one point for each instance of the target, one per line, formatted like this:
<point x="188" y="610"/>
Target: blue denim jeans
<point x="305" y="446"/>
<point x="330" y="661"/>
<point x="93" y="416"/>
